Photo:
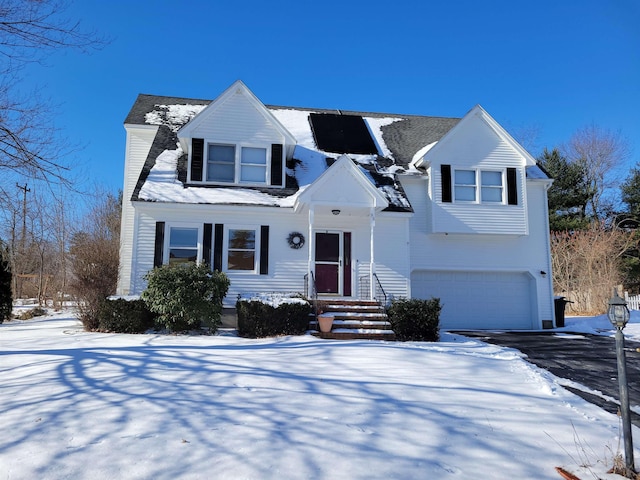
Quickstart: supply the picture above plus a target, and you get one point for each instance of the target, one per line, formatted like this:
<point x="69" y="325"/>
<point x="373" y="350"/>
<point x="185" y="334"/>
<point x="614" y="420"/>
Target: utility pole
<point x="24" y="234"/>
<point x="24" y="211"/>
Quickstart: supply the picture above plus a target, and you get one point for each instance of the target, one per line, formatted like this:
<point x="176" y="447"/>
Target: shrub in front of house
<point x="415" y="320"/>
<point x="186" y="296"/>
<point x="124" y="316"/>
<point x="259" y="319"/>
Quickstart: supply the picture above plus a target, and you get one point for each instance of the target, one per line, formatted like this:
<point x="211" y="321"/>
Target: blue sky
<point x="548" y="66"/>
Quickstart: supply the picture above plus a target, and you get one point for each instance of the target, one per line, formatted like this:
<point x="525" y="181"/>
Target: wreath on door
<point x="295" y="240"/>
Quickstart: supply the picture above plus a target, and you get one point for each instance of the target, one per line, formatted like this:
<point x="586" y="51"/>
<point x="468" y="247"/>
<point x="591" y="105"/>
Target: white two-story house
<point x="345" y="204"/>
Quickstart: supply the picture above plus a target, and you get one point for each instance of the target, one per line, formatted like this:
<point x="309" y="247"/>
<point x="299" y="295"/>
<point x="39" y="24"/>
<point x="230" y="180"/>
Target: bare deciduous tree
<point x="28" y="27"/>
<point x="95" y="256"/>
<point x="600" y="152"/>
<point x="587" y="265"/>
<point x="29" y="143"/>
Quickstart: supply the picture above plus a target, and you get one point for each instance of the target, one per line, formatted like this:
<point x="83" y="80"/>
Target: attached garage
<point x="479" y="300"/>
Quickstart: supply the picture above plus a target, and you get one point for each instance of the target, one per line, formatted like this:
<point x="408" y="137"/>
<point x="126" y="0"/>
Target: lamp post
<point x="618" y="314"/>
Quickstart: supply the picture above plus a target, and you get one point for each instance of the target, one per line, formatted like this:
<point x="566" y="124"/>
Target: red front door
<point x="333" y="263"/>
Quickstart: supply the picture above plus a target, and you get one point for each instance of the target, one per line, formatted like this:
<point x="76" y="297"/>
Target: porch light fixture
<point x="618" y="314"/>
<point x="335" y="212"/>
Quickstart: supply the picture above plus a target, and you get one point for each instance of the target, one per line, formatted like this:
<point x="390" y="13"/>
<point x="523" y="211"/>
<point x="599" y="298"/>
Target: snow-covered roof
<point x="163" y="179"/>
<point x="397" y="138"/>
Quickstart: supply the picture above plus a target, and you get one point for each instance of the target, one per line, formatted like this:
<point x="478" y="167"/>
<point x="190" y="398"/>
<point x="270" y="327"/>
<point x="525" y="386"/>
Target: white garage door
<point x="479" y="300"/>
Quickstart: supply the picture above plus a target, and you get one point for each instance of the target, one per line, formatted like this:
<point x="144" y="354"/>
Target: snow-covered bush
<point x="415" y="320"/>
<point x="185" y="296"/>
<point x="124" y="316"/>
<point x="268" y="315"/>
<point x="32" y="313"/>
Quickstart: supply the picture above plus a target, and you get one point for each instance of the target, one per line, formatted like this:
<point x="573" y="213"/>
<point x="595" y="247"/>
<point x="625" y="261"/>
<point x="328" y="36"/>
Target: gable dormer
<point x="342" y="186"/>
<point x="477" y="175"/>
<point x="236" y="140"/>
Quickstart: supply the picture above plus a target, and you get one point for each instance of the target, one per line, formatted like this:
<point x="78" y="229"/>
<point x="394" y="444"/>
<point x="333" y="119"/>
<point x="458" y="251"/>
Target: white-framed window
<point x="491" y="186"/>
<point x="478" y="186"/>
<point x="464" y="185"/>
<point x="253" y="165"/>
<point x="233" y="163"/>
<point x="221" y="163"/>
<point x="241" y="249"/>
<point x="182" y="244"/>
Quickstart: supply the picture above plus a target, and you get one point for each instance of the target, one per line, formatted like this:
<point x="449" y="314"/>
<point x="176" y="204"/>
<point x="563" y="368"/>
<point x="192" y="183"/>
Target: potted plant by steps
<point x="325" y="322"/>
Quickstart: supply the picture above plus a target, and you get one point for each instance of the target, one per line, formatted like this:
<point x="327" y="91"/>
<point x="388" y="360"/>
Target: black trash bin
<point x="560" y="304"/>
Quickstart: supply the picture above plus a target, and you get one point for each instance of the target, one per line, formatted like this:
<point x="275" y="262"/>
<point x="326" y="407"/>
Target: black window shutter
<point x="512" y="187"/>
<point x="206" y="241"/>
<point x="158" y="249"/>
<point x="445" y="173"/>
<point x="217" y="247"/>
<point x="276" y="164"/>
<point x="197" y="156"/>
<point x="264" y="250"/>
<point x="347" y="265"/>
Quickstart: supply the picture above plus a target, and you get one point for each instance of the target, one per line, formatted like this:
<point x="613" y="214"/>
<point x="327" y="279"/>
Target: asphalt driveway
<point x="589" y="360"/>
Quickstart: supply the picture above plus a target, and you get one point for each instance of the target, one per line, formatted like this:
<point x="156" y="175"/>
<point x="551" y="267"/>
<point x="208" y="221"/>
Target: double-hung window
<point x="491" y="187"/>
<point x="183" y="245"/>
<point x="253" y="165"/>
<point x="465" y="185"/>
<point x="236" y="164"/>
<point x="221" y="163"/>
<point x="241" y="249"/>
<point x="479" y="186"/>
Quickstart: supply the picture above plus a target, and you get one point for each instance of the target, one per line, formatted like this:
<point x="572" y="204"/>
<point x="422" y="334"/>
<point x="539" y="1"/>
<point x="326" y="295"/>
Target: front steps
<point x="355" y="320"/>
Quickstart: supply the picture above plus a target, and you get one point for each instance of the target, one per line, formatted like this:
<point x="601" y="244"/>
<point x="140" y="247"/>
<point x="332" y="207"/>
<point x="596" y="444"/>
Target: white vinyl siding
<point x="242" y="121"/>
<point x="392" y="254"/>
<point x="476" y="147"/>
<point x="523" y="254"/>
<point x="138" y="144"/>
<point x="246" y="135"/>
<point x="287" y="266"/>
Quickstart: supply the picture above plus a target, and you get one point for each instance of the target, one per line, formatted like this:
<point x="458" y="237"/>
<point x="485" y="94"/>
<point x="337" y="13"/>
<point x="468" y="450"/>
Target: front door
<point x="333" y="263"/>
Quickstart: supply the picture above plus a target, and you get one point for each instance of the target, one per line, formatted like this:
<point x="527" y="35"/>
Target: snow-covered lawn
<point x="78" y="405"/>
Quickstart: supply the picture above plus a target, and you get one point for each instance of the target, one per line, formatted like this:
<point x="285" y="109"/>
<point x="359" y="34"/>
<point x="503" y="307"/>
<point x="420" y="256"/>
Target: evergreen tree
<point x="630" y="220"/>
<point x="569" y="195"/>
<point x="631" y="193"/>
<point x="6" y="302"/>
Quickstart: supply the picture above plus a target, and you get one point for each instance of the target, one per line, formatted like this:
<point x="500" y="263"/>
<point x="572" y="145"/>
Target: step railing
<point x="380" y="295"/>
<point x="311" y="290"/>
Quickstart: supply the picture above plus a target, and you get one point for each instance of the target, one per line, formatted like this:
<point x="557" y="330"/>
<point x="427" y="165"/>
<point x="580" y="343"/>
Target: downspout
<point x="311" y="250"/>
<point x="372" y="267"/>
<point x="548" y="255"/>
